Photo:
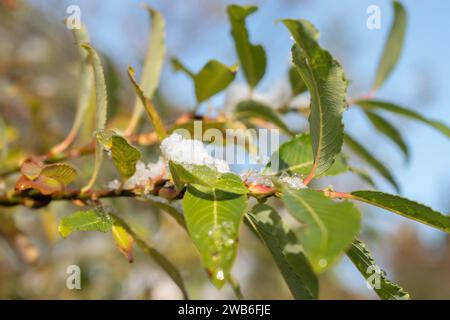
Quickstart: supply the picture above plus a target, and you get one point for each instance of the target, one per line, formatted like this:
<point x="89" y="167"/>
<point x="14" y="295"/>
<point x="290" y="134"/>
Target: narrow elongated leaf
<point x="326" y="82"/>
<point x="101" y="109"/>
<point x="252" y="57"/>
<point x="177" y="65"/>
<point x="405" y="207"/>
<point x="157" y="256"/>
<point x="213" y="78"/>
<point x="124" y="241"/>
<point x="385" y="128"/>
<point x="367" y="266"/>
<point x="286" y="251"/>
<point x="213" y="218"/>
<point x="297" y="84"/>
<point x="90" y="220"/>
<point x="151" y="111"/>
<point x="253" y="109"/>
<point x="370" y="159"/>
<point x="296" y="156"/>
<point x="328" y="227"/>
<point x="154" y="60"/>
<point x="376" y="104"/>
<point x="85" y="91"/>
<point x="206" y="176"/>
<point x="393" y="46"/>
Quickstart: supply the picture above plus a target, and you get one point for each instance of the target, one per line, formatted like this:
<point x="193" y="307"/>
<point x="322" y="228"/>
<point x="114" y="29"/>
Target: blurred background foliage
<point x="38" y="86"/>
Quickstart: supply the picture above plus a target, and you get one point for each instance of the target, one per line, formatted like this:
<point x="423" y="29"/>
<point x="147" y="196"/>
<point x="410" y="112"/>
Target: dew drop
<point x="219" y="275"/>
<point x="323" y="263"/>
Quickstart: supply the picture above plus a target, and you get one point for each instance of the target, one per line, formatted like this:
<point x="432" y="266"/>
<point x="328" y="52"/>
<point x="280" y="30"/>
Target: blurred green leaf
<point x="90" y="220"/>
<point x="404" y="207"/>
<point x="376" y="104"/>
<point x="328" y="228"/>
<point x="325" y="80"/>
<point x="367" y="266"/>
<point x="151" y="111"/>
<point x="364" y="154"/>
<point x="212" y="78"/>
<point x="101" y="111"/>
<point x="61" y="172"/>
<point x="387" y="129"/>
<point x="252" y="57"/>
<point x="153" y="64"/>
<point x="251" y="109"/>
<point x="393" y="46"/>
<point x="213" y="218"/>
<point x="286" y="250"/>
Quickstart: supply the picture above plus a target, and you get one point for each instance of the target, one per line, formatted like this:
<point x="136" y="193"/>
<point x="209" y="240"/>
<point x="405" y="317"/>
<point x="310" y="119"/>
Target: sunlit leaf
<point x="101" y="109"/>
<point x="325" y="80"/>
<point x="90" y="220"/>
<point x="367" y="266"/>
<point x="328" y="227"/>
<point x="213" y="218"/>
<point x="153" y="63"/>
<point x="62" y="172"/>
<point x="206" y="176"/>
<point x="124" y="241"/>
<point x="393" y="46"/>
<point x="286" y="250"/>
<point x="296" y="156"/>
<point x="404" y="207"/>
<point x="252" y="57"/>
<point x="151" y="111"/>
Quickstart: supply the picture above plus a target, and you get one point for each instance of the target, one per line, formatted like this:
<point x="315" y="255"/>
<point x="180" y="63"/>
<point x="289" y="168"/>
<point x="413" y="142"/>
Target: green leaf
<point x="252" y="57"/>
<point x="328" y="227"/>
<point x="367" y="266"/>
<point x="123" y="154"/>
<point x="213" y="78"/>
<point x="213" y="218"/>
<point x="297" y="84"/>
<point x="286" y="251"/>
<point x="326" y="82"/>
<point x="393" y="46"/>
<point x="363" y="153"/>
<point x="3" y="139"/>
<point x="157" y="256"/>
<point x="61" y="172"/>
<point x="91" y="220"/>
<point x="206" y="176"/>
<point x="85" y="90"/>
<point x="101" y="109"/>
<point x="376" y="104"/>
<point x="154" y="60"/>
<point x="253" y="109"/>
<point x="124" y="241"/>
<point x="363" y="175"/>
<point x="405" y="207"/>
<point x="387" y="129"/>
<point x="151" y="111"/>
<point x="296" y="156"/>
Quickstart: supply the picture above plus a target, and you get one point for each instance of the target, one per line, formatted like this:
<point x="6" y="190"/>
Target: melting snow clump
<point x="189" y="151"/>
<point x="295" y="182"/>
